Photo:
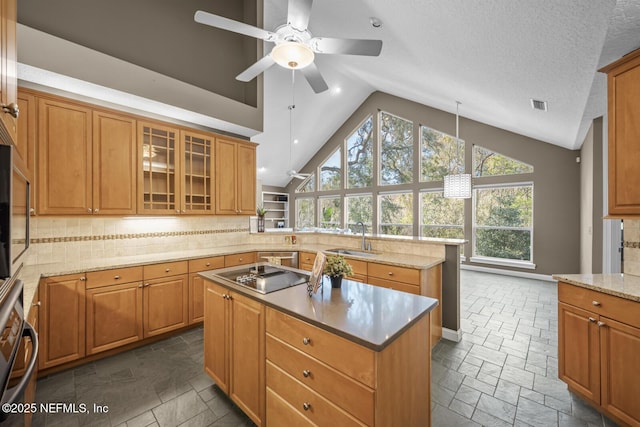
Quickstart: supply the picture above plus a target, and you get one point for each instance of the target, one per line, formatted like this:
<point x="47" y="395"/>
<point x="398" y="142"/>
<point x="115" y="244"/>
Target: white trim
<point x="503" y="262"/>
<point x="526" y="275"/>
<point x="451" y="335"/>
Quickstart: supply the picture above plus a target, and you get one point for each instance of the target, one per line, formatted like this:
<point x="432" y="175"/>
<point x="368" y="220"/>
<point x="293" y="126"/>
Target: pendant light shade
<point x="457" y="186"/>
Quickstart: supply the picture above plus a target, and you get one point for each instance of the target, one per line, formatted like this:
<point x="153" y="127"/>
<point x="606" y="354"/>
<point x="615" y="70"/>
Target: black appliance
<point x="15" y="328"/>
<point x="263" y="278"/>
<point x="14" y="214"/>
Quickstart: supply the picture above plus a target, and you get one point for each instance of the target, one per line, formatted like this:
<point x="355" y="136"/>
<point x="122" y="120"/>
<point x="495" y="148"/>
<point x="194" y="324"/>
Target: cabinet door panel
<point x="196" y="299"/>
<point x="246" y="179"/>
<point x="620" y="346"/>
<point x="165" y="305"/>
<point x="579" y="350"/>
<point x="114" y="164"/>
<point x="114" y="316"/>
<point x="216" y="342"/>
<point x="26" y="142"/>
<point x="225" y="160"/>
<point x="64" y="158"/>
<point x="9" y="64"/>
<point x="197" y="191"/>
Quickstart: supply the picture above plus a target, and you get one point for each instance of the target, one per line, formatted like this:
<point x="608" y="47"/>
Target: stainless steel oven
<point x="16" y="328"/>
<point x="286" y="258"/>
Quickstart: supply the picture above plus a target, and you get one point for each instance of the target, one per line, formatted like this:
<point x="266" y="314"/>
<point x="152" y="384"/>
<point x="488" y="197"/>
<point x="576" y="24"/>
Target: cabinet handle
<point x="306" y="373"/>
<point x="208" y="264"/>
<point x="32" y="211"/>
<point x="11" y="109"/>
<point x="600" y="324"/>
<point x="167" y="270"/>
<point x="306" y="341"/>
<point x="306" y="406"/>
<point x="177" y="211"/>
<point x="116" y="277"/>
<point x="240" y="259"/>
<point x="37" y="304"/>
<point x="140" y="286"/>
<point x="596" y="303"/>
<point x="146" y="284"/>
<point x="89" y="210"/>
<point x="83" y="278"/>
<point x="96" y="210"/>
<point x="592" y="320"/>
<point x="390" y="273"/>
<point x="182" y="211"/>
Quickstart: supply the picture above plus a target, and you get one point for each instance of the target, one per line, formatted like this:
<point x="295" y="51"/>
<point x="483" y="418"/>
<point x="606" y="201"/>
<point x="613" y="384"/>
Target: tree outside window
<point x="441" y="217"/>
<point x="308" y="185"/>
<point x="504" y="222"/>
<point x="331" y="172"/>
<point x="359" y="208"/>
<point x="490" y="163"/>
<point x="305" y="212"/>
<point x="396" y="150"/>
<point x="330" y="212"/>
<point x="396" y="214"/>
<point x="360" y="156"/>
<point x="440" y="155"/>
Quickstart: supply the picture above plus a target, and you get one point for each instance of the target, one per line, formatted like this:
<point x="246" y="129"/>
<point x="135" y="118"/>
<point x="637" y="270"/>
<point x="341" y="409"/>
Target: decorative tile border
<point x="632" y="245"/>
<point x="135" y="235"/>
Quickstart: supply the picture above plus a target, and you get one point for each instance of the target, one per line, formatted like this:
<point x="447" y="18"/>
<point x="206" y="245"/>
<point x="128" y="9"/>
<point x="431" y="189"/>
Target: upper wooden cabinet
<point x="8" y="72"/>
<point x="25" y="150"/>
<point x="624" y="134"/>
<point x="235" y="177"/>
<point x="197" y="173"/>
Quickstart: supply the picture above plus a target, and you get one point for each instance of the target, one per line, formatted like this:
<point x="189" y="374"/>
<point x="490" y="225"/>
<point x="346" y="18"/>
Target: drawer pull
<point x="167" y="270"/>
<point x="592" y="320"/>
<point x="208" y="264"/>
<point x="596" y="303"/>
<point x="83" y="278"/>
<point x="240" y="259"/>
<point x="306" y="341"/>
<point x="306" y="406"/>
<point x="306" y="373"/>
<point x="116" y="277"/>
<point x="37" y="304"/>
<point x="390" y="273"/>
<point x="600" y="324"/>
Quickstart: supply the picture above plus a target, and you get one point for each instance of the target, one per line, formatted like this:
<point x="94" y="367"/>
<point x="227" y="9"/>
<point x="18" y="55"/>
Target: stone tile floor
<point x="503" y="372"/>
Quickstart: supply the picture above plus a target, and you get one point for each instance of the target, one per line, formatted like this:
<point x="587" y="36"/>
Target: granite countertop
<point x="369" y="315"/>
<point x="31" y="274"/>
<point x="620" y="285"/>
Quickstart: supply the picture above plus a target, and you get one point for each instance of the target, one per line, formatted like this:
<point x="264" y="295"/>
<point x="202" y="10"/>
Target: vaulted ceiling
<point x="492" y="56"/>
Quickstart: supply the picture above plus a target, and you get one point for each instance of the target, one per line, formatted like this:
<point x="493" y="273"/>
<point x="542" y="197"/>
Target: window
<point x="490" y="163"/>
<point x="396" y="214"/>
<point x="331" y="172"/>
<point x="308" y="185"/>
<point x="441" y="217"/>
<point x="359" y="208"/>
<point x="305" y="212"/>
<point x="503" y="222"/>
<point x="360" y="156"/>
<point x="330" y="212"/>
<point x="440" y="155"/>
<point x="396" y="150"/>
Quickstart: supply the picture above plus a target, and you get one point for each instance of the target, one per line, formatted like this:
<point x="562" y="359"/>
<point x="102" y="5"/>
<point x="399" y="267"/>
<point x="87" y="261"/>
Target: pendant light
<point x="457" y="186"/>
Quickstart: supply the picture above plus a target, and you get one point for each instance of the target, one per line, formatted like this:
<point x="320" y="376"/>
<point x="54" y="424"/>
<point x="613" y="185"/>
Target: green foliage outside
<point x="441" y="217"/>
<point x="308" y="185"/>
<point x="331" y="212"/>
<point x="331" y="172"/>
<point x="359" y="208"/>
<point x="396" y="150"/>
<point x="305" y="209"/>
<point x="360" y="156"/>
<point x="489" y="163"/>
<point x="441" y="155"/>
<point x="396" y="214"/>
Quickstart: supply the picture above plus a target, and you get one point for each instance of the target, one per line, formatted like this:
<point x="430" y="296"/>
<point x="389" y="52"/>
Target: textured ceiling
<point x="493" y="56"/>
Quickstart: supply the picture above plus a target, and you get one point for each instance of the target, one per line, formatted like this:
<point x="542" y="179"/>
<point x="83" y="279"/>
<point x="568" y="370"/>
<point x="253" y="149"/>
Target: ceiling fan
<point x="292" y="173"/>
<point x="295" y="47"/>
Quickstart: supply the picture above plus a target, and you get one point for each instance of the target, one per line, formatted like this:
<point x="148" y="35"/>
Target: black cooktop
<point x="264" y="278"/>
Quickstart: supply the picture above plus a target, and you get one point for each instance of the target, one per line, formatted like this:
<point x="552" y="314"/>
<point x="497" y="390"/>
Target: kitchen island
<point x="357" y="355"/>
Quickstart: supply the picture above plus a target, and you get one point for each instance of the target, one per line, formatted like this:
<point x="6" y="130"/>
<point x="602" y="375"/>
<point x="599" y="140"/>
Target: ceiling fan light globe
<point x="292" y="55"/>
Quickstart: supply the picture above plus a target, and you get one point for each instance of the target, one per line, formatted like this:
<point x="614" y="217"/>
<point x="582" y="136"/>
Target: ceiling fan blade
<point x="207" y="18"/>
<point x="255" y="69"/>
<point x="298" y="13"/>
<point x="313" y="76"/>
<point x="346" y="46"/>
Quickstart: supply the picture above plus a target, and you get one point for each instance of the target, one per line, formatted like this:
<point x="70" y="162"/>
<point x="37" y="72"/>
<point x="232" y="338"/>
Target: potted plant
<point x="261" y="211"/>
<point x="336" y="267"/>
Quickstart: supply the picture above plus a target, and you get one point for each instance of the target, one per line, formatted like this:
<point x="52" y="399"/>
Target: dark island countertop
<point x="369" y="315"/>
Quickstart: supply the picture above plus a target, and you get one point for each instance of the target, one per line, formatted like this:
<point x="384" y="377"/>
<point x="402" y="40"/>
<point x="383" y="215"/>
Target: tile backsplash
<point x="62" y="239"/>
<point x="631" y="247"/>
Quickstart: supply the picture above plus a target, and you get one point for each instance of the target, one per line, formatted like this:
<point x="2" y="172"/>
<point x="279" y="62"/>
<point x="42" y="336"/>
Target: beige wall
<point x="556" y="239"/>
<point x="586" y="203"/>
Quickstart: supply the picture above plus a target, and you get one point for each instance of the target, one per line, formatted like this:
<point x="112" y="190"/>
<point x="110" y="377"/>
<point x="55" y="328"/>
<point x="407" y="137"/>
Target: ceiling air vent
<point x="536" y="104"/>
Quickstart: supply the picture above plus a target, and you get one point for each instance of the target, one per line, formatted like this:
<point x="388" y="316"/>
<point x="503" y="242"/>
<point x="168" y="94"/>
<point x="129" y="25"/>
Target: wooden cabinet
<point x="235" y="177"/>
<point x="165" y="297"/>
<point x="62" y="320"/>
<point x="624" y="133"/>
<point x="306" y="260"/>
<point x="239" y="259"/>
<point x="598" y="344"/>
<point x="114" y="308"/>
<point x="196" y="285"/>
<point x="25" y="150"/>
<point x="234" y="349"/>
<point x="159" y="170"/>
<point x="322" y="379"/>
<point x="8" y="71"/>
<point x="197" y="173"/>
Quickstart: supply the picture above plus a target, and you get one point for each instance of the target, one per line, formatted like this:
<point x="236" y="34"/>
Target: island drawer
<point x="281" y="413"/>
<point x="391" y="284"/>
<point x="167" y="269"/>
<point x="306" y="260"/>
<point x="113" y="276"/>
<point x="620" y="309"/>
<point x="354" y="397"/>
<point x="346" y="356"/>
<point x="395" y="273"/>
<point x="204" y="264"/>
<point x="239" y="259"/>
<point x="310" y="404"/>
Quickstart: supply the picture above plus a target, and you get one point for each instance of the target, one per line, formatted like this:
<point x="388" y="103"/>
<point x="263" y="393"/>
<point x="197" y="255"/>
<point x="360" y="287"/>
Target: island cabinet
<point x="598" y="347"/>
<point x="62" y="320"/>
<point x="196" y="285"/>
<point x="623" y="78"/>
<point x="235" y="177"/>
<point x="234" y="348"/>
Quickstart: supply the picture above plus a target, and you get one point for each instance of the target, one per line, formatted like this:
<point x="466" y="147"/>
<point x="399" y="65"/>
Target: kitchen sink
<point x="354" y="252"/>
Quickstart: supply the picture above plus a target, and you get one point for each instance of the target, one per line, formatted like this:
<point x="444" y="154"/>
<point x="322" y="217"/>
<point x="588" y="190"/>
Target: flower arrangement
<point x="260" y="210"/>
<point x="336" y="265"/>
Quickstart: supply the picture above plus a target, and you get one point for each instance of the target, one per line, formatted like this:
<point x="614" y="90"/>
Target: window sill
<point x="503" y="262"/>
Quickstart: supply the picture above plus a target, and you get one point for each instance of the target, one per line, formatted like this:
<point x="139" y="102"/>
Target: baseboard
<point x="451" y="335"/>
<point x="524" y="274"/>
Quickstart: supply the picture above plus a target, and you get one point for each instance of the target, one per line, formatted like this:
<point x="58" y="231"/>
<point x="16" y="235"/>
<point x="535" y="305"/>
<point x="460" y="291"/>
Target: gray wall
<point x="556" y="177"/>
<point x="591" y="199"/>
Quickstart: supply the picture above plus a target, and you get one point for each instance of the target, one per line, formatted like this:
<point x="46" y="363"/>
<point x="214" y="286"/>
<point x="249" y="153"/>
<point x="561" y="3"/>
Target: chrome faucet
<point x="364" y="241"/>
